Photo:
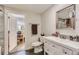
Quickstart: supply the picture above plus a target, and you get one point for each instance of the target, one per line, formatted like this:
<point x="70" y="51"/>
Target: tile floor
<point x="20" y="47"/>
<point x="20" y="50"/>
<point x="25" y="53"/>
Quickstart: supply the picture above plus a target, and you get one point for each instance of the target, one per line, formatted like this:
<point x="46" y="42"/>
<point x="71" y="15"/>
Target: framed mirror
<point x="66" y="18"/>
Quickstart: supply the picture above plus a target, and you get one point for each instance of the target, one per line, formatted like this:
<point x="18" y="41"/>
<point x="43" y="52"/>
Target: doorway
<point x="16" y="40"/>
<point x="20" y="34"/>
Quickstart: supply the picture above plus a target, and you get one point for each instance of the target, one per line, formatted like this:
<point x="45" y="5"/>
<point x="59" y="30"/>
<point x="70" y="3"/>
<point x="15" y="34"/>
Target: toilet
<point x="37" y="46"/>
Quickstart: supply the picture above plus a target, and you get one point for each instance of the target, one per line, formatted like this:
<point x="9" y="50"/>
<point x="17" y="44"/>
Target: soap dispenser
<point x="71" y="38"/>
<point x="77" y="38"/>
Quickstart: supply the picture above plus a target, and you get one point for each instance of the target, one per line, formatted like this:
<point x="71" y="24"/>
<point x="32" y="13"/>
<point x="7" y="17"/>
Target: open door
<point x="12" y="36"/>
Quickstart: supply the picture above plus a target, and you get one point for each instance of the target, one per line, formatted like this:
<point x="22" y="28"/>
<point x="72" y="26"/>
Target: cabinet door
<point x="67" y="51"/>
<point x="57" y="49"/>
<point x="59" y="52"/>
<point x="53" y="48"/>
<point x="49" y="50"/>
<point x="63" y="51"/>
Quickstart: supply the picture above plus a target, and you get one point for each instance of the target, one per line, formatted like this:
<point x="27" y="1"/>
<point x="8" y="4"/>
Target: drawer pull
<point x="65" y="52"/>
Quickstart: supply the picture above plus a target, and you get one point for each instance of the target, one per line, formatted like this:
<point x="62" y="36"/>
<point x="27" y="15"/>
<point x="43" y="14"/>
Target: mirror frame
<point x="74" y="8"/>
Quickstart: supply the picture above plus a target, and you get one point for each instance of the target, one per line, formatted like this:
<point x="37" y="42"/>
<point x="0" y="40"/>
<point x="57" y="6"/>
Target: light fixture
<point x="72" y="13"/>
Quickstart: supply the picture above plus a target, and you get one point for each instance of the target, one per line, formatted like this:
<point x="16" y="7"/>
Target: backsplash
<point x="63" y="36"/>
<point x="69" y="34"/>
<point x="72" y="38"/>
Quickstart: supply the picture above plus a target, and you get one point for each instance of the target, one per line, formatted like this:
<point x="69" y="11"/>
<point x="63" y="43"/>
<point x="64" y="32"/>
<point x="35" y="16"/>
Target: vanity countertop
<point x="65" y="42"/>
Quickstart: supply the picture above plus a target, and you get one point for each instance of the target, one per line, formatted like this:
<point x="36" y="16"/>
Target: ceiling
<point x="37" y="8"/>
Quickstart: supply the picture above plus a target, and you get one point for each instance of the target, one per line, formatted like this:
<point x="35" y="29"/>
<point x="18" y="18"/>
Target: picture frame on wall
<point x="34" y="29"/>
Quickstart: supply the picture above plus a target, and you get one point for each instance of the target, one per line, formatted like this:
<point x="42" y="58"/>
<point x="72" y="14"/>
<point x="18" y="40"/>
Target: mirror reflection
<point x="66" y="18"/>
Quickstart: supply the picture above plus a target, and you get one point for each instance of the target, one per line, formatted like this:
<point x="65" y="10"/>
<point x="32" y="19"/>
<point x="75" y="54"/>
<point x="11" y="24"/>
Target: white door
<point x="12" y="33"/>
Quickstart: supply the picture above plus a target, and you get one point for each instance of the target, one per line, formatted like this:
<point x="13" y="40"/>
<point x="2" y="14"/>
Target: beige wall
<point x="49" y="19"/>
<point x="77" y="19"/>
<point x="32" y="19"/>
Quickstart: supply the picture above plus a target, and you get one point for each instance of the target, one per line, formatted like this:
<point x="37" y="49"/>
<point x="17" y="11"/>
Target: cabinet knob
<point x="65" y="52"/>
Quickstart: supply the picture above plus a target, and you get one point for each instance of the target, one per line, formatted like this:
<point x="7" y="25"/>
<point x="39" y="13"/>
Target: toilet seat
<point x="37" y="47"/>
<point x="35" y="44"/>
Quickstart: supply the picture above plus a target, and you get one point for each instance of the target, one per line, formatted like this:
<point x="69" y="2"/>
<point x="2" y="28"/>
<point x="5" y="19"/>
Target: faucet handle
<point x="77" y="38"/>
<point x="71" y="38"/>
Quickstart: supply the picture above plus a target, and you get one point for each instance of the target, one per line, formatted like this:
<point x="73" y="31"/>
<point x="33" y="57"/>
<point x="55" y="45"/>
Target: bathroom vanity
<point x="56" y="46"/>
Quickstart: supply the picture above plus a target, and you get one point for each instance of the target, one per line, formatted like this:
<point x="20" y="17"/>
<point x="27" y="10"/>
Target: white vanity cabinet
<point x="54" y="49"/>
<point x="57" y="46"/>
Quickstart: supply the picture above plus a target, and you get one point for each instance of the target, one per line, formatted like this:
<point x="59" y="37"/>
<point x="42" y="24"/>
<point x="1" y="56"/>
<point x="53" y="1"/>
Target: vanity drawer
<point x="49" y="50"/>
<point x="52" y="45"/>
<point x="47" y="42"/>
<point x="62" y="50"/>
<point x="67" y="51"/>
